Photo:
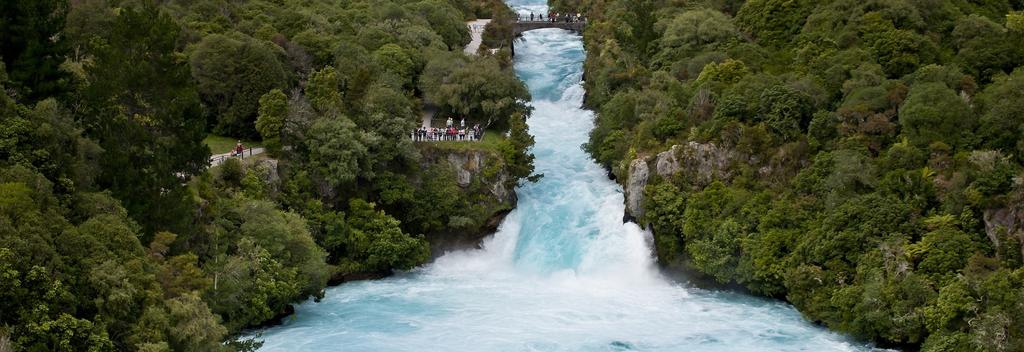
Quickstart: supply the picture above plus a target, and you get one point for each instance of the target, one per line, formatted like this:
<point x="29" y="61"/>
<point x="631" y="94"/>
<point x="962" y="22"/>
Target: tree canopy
<point x="115" y="231"/>
<point x="865" y="151"/>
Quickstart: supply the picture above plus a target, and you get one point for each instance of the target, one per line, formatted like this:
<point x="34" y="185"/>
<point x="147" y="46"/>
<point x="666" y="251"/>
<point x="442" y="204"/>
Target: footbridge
<point x="519" y="27"/>
<point x="525" y="26"/>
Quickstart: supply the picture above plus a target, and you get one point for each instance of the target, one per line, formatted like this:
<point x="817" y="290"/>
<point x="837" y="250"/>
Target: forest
<point x="869" y="166"/>
<point x="115" y="234"/>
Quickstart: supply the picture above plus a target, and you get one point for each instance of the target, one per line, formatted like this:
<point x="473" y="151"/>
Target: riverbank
<point x="854" y="184"/>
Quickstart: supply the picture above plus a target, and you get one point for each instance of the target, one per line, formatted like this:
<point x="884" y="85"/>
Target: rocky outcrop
<point x="482" y="180"/>
<point x="471" y="165"/>
<point x="266" y="169"/>
<point x="699" y="164"/>
<point x="639" y="173"/>
<point x="1003" y="223"/>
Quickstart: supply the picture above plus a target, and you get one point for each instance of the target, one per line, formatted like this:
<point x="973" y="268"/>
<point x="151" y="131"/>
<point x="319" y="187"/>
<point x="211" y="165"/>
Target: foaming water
<point x="563" y="273"/>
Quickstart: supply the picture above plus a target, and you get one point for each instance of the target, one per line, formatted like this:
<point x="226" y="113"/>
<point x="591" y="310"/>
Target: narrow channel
<point x="563" y="273"/>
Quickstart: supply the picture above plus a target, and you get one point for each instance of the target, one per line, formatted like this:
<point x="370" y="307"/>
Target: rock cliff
<point x="483" y="181"/>
<point x="699" y="163"/>
<point x="1005" y="225"/>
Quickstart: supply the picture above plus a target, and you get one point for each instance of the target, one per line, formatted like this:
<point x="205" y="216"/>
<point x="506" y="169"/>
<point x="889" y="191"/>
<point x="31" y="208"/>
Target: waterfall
<point x="563" y="273"/>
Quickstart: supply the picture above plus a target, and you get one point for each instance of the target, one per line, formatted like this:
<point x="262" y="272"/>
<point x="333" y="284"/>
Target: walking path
<point x="218" y="159"/>
<point x="476" y="28"/>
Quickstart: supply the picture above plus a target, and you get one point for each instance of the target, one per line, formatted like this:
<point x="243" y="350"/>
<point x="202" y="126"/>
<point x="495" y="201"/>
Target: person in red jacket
<point x="239" y="149"/>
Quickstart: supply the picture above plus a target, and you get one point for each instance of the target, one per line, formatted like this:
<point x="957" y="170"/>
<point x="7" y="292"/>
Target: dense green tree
<point x="336" y="150"/>
<point x="47" y="139"/>
<point x="231" y="74"/>
<point x="1001" y="125"/>
<point x="394" y="60"/>
<point x="157" y="128"/>
<point x="773" y="21"/>
<point x="944" y="251"/>
<point x="33" y="48"/>
<point x="193" y="326"/>
<point x="983" y="46"/>
<point x="934" y="113"/>
<point x="436" y="73"/>
<point x="693" y="31"/>
<point x="445" y="21"/>
<point x="376" y="240"/>
<point x="516" y="150"/>
<point x="273" y="262"/>
<point x="484" y="92"/>
<point x="273" y="110"/>
<point x="323" y="91"/>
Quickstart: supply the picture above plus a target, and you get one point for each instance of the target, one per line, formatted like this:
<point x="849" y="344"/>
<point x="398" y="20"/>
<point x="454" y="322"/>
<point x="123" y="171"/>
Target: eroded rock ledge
<point x="700" y="163"/>
<point x="481" y="177"/>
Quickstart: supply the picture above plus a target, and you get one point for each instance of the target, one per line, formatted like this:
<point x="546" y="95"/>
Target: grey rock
<point x="1007" y="220"/>
<point x="699" y="163"/>
<point x="639" y="173"/>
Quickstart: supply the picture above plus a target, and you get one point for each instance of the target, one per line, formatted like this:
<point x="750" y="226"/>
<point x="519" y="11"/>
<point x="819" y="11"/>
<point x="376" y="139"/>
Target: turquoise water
<point x="563" y="273"/>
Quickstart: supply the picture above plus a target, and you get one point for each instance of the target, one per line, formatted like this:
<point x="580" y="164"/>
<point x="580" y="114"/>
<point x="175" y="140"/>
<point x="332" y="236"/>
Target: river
<point x="563" y="273"/>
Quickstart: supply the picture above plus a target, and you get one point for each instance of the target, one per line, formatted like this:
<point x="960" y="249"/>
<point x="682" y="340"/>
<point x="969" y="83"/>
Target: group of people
<point x="557" y="17"/>
<point x="449" y="133"/>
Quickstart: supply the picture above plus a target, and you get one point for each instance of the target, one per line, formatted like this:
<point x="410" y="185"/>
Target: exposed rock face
<point x="638" y="176"/>
<point x="476" y="172"/>
<point x="463" y="164"/>
<point x="1004" y="221"/>
<point x="469" y="165"/>
<point x="699" y="163"/>
<point x="267" y="169"/>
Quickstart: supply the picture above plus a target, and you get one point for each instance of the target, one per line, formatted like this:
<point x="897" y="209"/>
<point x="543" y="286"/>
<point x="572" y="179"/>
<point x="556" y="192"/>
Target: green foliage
<point x="376" y="240"/>
<point x="515" y="150"/>
<point x="773" y="21"/>
<point x="33" y="48"/>
<point x="46" y="139"/>
<point x="394" y="60"/>
<point x="483" y="91"/>
<point x="856" y="158"/>
<point x="1002" y="124"/>
<point x="115" y="236"/>
<point x="934" y="113"/>
<point x="692" y="31"/>
<point x="729" y="71"/>
<point x="273" y="110"/>
<point x="983" y="46"/>
<point x="1015" y="21"/>
<point x="156" y="128"/>
<point x="231" y="74"/>
<point x="322" y="91"/>
<point x="336" y="151"/>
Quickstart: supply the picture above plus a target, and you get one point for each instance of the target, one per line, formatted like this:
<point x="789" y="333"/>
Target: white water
<point x="563" y="273"/>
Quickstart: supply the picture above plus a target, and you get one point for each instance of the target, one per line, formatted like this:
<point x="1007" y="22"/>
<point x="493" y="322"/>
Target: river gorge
<point x="563" y="272"/>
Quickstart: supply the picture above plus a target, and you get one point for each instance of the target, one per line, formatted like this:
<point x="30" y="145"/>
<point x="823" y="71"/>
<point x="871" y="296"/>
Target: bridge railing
<point x="469" y="136"/>
<point x="217" y="159"/>
<point x="557" y="19"/>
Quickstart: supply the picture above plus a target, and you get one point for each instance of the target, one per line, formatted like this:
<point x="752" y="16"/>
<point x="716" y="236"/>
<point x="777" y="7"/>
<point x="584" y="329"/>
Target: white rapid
<point x="563" y="273"/>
